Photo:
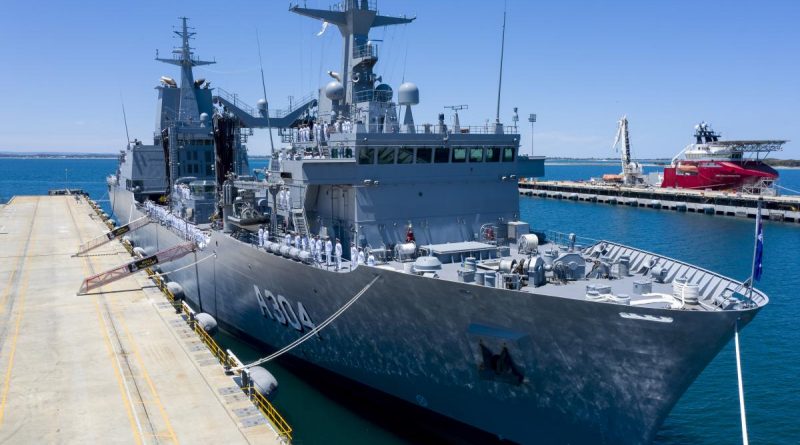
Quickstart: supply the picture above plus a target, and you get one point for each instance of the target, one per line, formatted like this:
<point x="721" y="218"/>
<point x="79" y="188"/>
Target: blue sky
<point x="579" y="65"/>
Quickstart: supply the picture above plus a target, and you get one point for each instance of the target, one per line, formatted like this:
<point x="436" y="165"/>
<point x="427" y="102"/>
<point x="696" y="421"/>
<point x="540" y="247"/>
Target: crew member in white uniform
<point x="371" y="260"/>
<point x="353" y="256"/>
<point x="287" y="239"/>
<point x="328" y="250"/>
<point x="318" y="247"/>
<point x="360" y="256"/>
<point x="297" y="242"/>
<point x="261" y="236"/>
<point x="338" y="254"/>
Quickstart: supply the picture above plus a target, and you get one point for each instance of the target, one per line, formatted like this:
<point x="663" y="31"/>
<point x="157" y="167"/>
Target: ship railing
<point x="344" y="5"/>
<point x="234" y="99"/>
<point x="225" y="358"/>
<point x="431" y="129"/>
<point x="367" y="50"/>
<point x="563" y="239"/>
<point x="294" y="104"/>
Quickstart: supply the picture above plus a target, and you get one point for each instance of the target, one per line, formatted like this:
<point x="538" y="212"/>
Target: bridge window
<point x="508" y="154"/>
<point x="476" y="154"/>
<point x="492" y="154"/>
<point x="424" y="155"/>
<point x="460" y="154"/>
<point x="405" y="155"/>
<point x="442" y="155"/>
<point x="366" y="156"/>
<point x="386" y="155"/>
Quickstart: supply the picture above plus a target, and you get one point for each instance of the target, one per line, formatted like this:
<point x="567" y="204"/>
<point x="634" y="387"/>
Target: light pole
<point x="532" y="120"/>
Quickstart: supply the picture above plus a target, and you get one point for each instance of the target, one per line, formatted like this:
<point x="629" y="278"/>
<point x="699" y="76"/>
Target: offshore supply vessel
<point x="459" y="314"/>
<point x="714" y="164"/>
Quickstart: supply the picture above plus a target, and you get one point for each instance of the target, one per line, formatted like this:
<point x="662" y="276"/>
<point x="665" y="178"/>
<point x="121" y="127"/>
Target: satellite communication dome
<point x="408" y="94"/>
<point x="203" y="117"/>
<point x="261" y="104"/>
<point x="383" y="93"/>
<point x="334" y="90"/>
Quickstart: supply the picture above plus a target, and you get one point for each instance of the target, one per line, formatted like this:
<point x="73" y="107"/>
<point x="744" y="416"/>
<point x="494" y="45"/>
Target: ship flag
<point x="759" y="250"/>
<point x="324" y="27"/>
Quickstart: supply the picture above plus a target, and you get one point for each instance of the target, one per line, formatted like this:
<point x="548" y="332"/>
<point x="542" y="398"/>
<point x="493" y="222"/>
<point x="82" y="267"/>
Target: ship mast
<point x="355" y="18"/>
<point x="183" y="57"/>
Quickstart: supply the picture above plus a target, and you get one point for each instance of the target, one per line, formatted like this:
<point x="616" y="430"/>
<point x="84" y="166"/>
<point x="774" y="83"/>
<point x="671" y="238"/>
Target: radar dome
<point x="383" y="93"/>
<point x="334" y="90"/>
<point x="261" y="104"/>
<point x="408" y="94"/>
<point x="203" y="117"/>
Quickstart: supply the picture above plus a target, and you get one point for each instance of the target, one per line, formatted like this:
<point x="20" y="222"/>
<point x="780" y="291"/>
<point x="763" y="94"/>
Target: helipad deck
<point x="114" y="366"/>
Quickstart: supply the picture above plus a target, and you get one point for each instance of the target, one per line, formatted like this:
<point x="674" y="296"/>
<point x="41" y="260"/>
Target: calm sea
<point x="708" y="412"/>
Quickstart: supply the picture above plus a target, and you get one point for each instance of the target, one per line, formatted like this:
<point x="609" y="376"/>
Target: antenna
<point x="502" y="51"/>
<point x="264" y="91"/>
<point x="125" y="118"/>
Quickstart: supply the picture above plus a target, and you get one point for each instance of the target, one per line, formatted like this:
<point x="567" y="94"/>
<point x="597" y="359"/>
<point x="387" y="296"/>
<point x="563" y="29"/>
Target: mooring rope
<point x="161" y="274"/>
<point x="745" y="440"/>
<point x="312" y="332"/>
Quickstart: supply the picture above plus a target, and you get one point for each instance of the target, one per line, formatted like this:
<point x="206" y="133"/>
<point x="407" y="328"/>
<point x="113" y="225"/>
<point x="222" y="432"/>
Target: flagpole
<point x="755" y="249"/>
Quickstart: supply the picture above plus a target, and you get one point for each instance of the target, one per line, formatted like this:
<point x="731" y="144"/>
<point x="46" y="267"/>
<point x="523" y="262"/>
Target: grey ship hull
<point x="591" y="376"/>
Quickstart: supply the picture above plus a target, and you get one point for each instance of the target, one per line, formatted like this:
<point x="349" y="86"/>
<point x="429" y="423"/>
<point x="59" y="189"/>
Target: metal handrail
<point x="365" y="50"/>
<point x="281" y="425"/>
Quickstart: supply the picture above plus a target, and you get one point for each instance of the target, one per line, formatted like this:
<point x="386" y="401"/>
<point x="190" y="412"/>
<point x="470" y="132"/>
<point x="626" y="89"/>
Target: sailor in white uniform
<point x="371" y="260"/>
<point x="318" y="247"/>
<point x="261" y="236"/>
<point x="360" y="256"/>
<point x="297" y="242"/>
<point x="328" y="251"/>
<point x="338" y="254"/>
<point x="353" y="256"/>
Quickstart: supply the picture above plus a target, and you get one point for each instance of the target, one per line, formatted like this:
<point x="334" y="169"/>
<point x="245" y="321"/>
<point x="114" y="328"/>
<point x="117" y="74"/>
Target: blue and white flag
<point x="759" y="253"/>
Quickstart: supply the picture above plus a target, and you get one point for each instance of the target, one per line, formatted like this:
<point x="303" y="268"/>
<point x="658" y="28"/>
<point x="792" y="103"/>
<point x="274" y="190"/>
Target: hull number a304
<point x="279" y="309"/>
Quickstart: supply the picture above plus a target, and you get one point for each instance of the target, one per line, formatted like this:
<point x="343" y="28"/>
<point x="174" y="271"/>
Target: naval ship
<point x="459" y="314"/>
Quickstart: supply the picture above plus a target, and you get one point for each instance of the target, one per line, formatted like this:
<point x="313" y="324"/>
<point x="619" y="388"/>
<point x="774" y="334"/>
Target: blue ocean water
<point x="709" y="411"/>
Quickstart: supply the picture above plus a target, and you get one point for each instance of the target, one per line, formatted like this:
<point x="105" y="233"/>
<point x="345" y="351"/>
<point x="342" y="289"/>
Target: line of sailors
<point x="321" y="132"/>
<point x="185" y="229"/>
<point x="182" y="190"/>
<point x="319" y="249"/>
<point x="284" y="199"/>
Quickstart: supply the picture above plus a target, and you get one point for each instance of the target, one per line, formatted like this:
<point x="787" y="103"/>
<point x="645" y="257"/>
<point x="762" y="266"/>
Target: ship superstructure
<point x="447" y="306"/>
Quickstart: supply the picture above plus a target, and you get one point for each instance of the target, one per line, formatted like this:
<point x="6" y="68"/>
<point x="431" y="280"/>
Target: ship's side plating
<point x="589" y="374"/>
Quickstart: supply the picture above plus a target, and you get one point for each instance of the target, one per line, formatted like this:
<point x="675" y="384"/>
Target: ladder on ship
<point x="299" y="221"/>
<point x="109" y="236"/>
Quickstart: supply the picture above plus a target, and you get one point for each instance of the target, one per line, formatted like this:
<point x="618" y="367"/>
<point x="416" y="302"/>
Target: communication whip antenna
<point x="500" y="80"/>
<point x="264" y="91"/>
<point x="125" y="119"/>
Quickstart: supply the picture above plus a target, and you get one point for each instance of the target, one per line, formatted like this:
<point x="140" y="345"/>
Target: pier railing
<point x="266" y="408"/>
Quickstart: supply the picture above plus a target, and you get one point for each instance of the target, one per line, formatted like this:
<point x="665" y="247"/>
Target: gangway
<point x="252" y="118"/>
<point x="119" y="272"/>
<point x="113" y="234"/>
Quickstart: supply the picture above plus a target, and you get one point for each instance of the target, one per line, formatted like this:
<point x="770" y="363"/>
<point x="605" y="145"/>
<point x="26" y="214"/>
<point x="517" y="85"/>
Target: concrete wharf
<point x="780" y="208"/>
<point x="114" y="366"/>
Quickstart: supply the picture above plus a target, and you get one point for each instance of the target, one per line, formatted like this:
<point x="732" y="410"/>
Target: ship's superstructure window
<point x="442" y="155"/>
<point x="424" y="155"/>
<point x="508" y="154"/>
<point x="492" y="154"/>
<point x="459" y="154"/>
<point x="405" y="155"/>
<point x="386" y="155"/>
<point x="366" y="156"/>
<point x="476" y="154"/>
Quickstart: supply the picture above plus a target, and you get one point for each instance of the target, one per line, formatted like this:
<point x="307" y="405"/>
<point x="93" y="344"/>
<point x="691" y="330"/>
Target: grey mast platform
<point x="114" y="366"/>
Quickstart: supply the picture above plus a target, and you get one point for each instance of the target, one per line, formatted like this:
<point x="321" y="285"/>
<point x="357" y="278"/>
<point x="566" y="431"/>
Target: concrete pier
<point x="114" y="366"/>
<point x="779" y="208"/>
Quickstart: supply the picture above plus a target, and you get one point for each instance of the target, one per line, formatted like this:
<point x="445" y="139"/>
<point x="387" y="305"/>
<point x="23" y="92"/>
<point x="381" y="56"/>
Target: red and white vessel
<point x="712" y="164"/>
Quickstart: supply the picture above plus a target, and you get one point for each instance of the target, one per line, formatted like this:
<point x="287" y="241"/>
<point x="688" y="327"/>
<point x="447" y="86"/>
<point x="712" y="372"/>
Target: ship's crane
<point x="631" y="171"/>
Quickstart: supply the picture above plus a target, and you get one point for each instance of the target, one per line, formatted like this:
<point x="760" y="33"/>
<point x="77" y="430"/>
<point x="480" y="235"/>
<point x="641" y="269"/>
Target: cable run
<point x="312" y="332"/>
<point x="161" y="274"/>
